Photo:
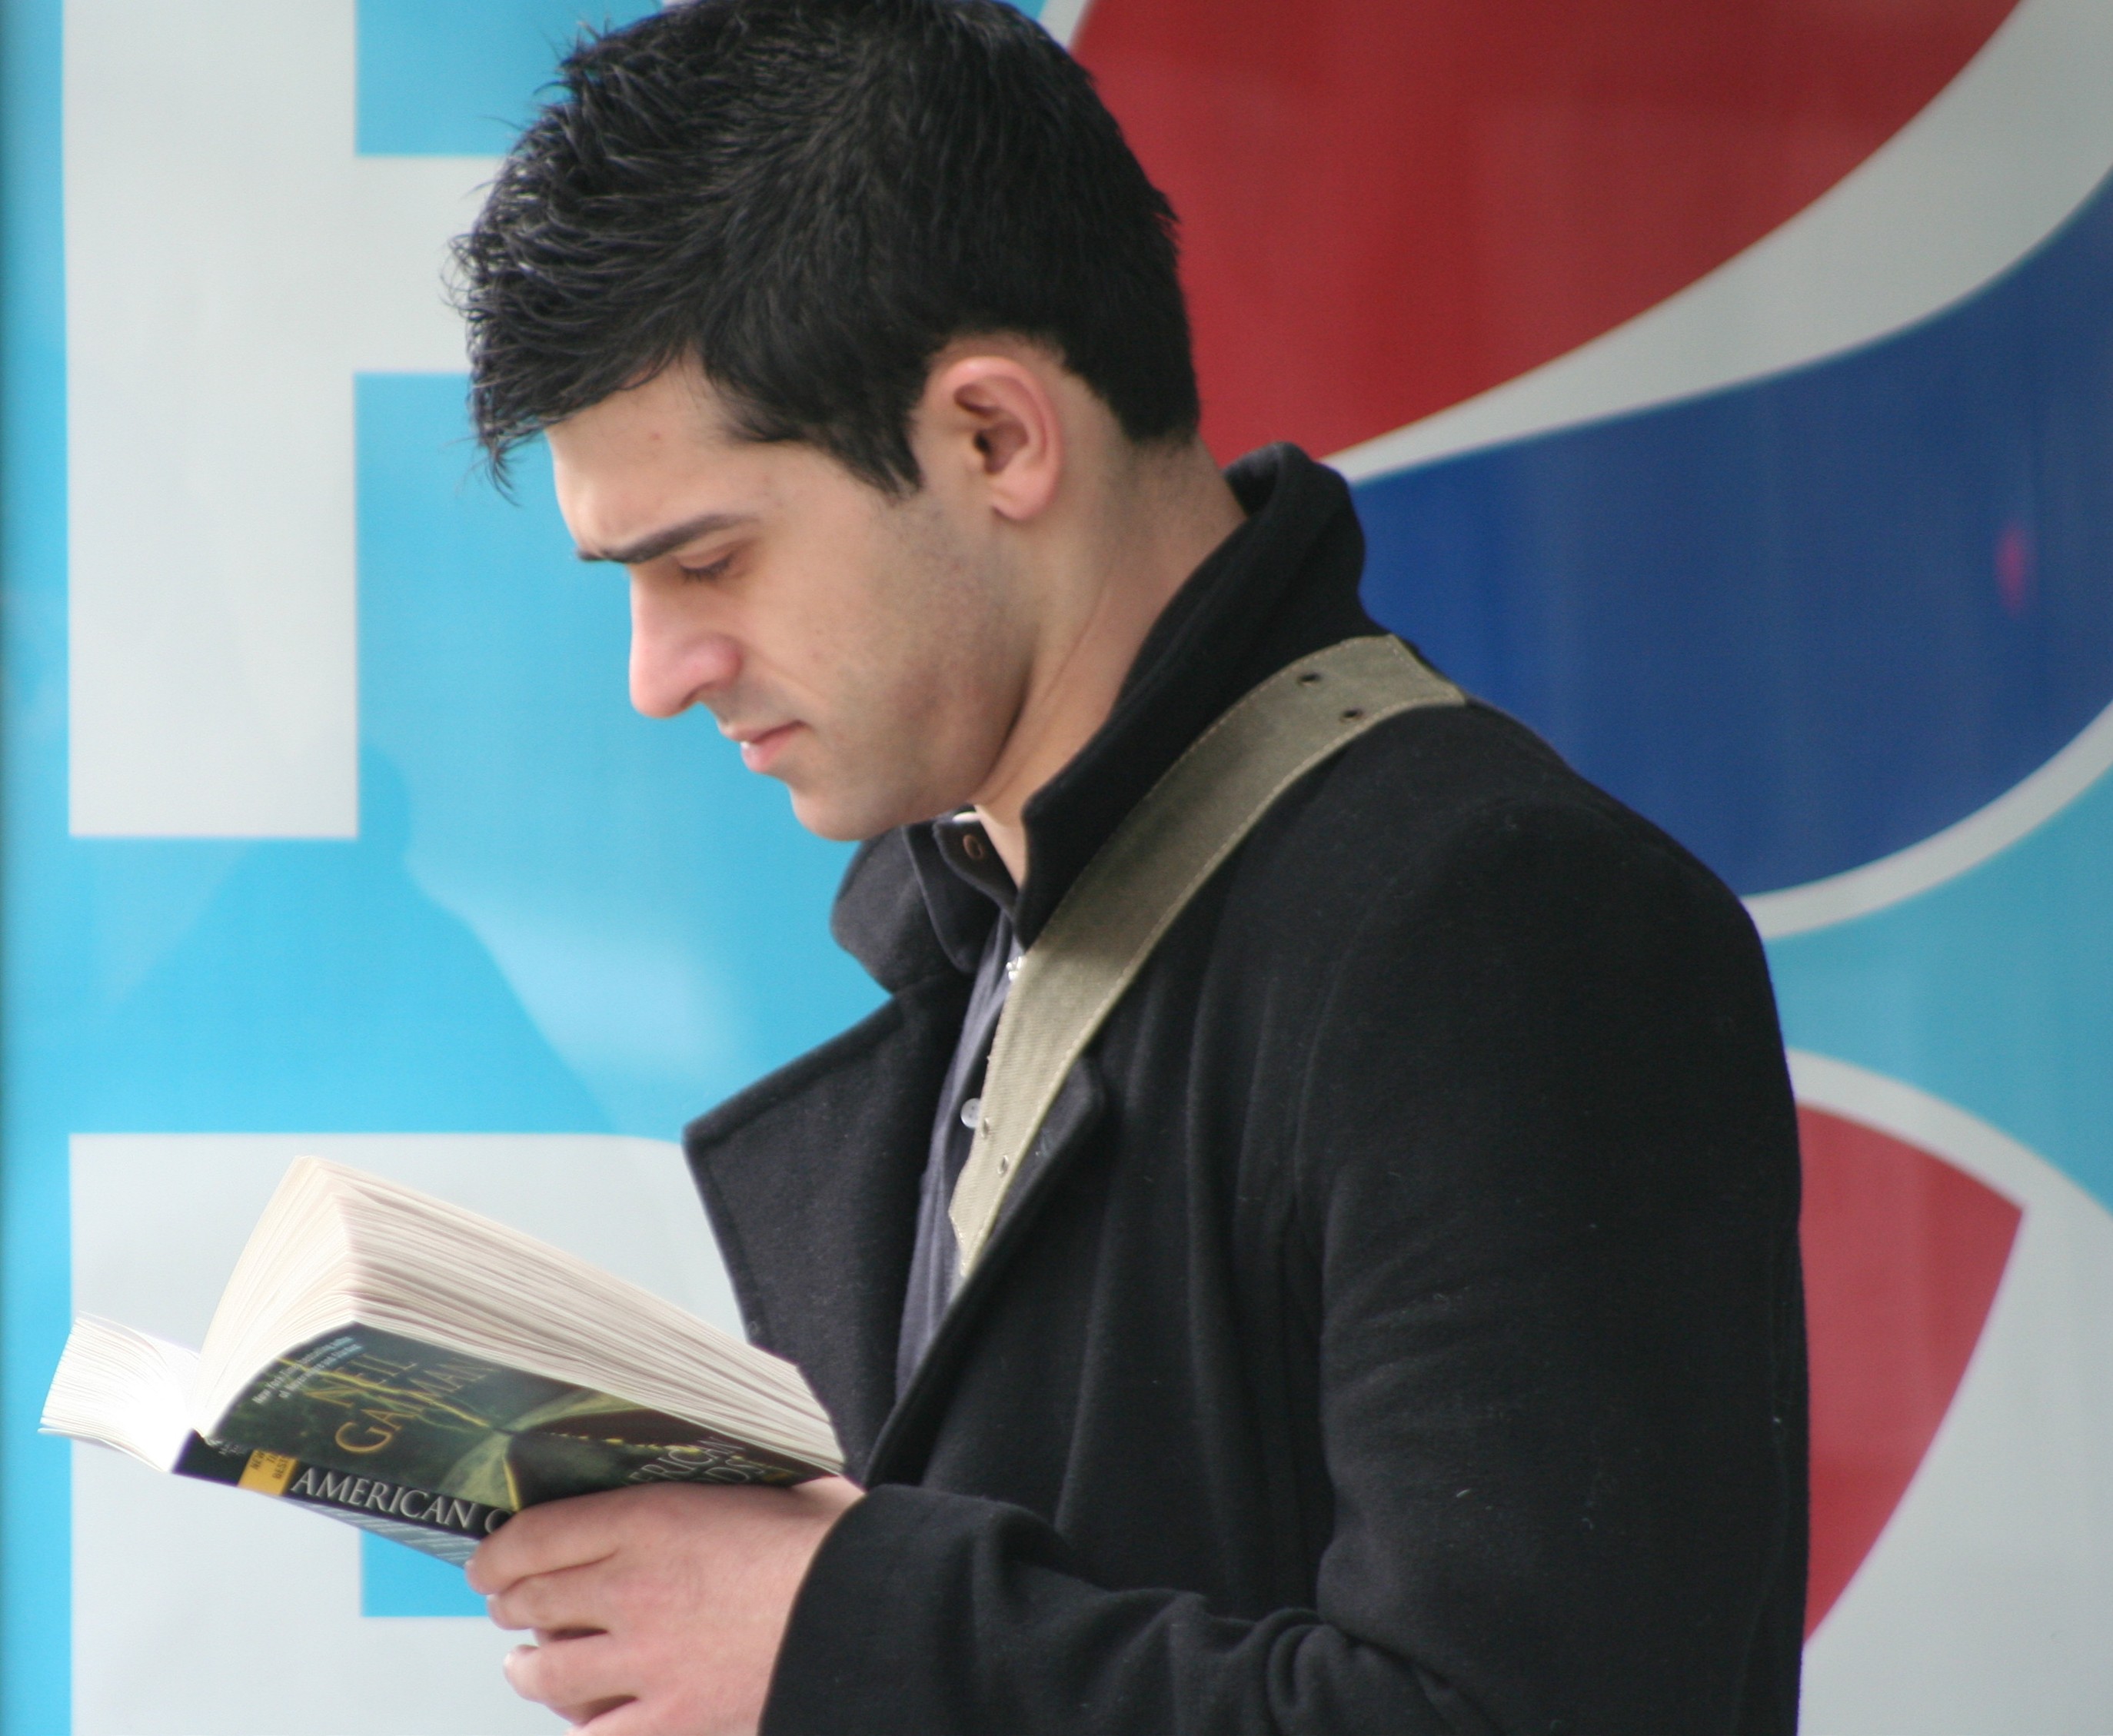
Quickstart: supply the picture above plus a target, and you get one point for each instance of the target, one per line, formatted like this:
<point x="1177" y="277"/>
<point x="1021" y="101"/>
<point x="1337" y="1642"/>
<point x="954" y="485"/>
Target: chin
<point x="839" y="821"/>
<point x="848" y="816"/>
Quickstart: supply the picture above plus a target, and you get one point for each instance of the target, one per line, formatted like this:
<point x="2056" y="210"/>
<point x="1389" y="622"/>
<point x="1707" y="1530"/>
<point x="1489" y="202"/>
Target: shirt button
<point x="972" y="1112"/>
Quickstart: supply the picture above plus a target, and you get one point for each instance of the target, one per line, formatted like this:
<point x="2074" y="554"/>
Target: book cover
<point x="407" y="1414"/>
<point x="444" y="1525"/>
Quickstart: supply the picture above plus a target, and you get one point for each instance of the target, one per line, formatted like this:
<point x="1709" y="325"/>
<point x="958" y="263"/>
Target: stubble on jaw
<point x="926" y="688"/>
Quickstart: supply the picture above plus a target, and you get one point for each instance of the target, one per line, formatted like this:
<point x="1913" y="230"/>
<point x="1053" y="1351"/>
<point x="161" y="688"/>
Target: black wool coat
<point x="1398" y="1326"/>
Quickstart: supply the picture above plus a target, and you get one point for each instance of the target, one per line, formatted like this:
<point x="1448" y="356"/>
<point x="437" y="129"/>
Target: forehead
<point x="665" y="453"/>
<point x="674" y="421"/>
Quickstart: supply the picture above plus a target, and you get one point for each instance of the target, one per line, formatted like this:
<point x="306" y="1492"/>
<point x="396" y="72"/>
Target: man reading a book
<point x="1394" y="1321"/>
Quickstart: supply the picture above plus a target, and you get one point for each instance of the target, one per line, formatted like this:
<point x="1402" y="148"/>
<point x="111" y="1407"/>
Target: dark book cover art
<point x="443" y="1526"/>
<point x="407" y="1414"/>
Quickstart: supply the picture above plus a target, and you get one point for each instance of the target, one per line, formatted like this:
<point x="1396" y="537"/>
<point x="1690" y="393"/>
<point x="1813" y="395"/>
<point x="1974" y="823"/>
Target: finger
<point x="574" y="1599"/>
<point x="832" y="1494"/>
<point x="625" y="1718"/>
<point x="546" y="1539"/>
<point x="590" y="1675"/>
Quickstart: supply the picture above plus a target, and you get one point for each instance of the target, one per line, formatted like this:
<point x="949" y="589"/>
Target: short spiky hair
<point x="812" y="197"/>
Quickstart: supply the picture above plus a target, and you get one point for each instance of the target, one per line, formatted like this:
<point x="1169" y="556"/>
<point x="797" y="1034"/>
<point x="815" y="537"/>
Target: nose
<point x="677" y="660"/>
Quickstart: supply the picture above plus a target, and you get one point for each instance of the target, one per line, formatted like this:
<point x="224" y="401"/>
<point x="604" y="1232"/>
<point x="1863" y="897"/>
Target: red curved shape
<point x="1903" y="1253"/>
<point x="1390" y="205"/>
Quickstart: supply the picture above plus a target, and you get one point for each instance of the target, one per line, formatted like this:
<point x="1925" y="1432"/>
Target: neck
<point x="1108" y="574"/>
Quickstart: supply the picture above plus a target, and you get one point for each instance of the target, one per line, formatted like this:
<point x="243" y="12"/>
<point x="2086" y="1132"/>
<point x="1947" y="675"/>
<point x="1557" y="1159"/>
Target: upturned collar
<point x="1284" y="584"/>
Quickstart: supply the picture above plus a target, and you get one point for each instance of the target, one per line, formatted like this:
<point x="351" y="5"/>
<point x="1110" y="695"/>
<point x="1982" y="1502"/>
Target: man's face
<point x="867" y="651"/>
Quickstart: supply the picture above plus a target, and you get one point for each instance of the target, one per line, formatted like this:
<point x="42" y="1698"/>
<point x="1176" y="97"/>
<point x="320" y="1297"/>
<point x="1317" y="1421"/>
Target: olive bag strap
<point x="1100" y="936"/>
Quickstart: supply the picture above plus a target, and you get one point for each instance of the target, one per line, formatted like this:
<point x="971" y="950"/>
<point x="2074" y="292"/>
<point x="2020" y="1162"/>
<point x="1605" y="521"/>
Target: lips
<point x="759" y="748"/>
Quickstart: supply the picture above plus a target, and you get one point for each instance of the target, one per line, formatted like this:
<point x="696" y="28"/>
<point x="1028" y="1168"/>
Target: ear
<point x="993" y="419"/>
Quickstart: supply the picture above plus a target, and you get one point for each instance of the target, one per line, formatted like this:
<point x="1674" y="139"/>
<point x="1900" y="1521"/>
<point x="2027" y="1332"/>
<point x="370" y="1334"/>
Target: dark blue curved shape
<point x="1805" y="623"/>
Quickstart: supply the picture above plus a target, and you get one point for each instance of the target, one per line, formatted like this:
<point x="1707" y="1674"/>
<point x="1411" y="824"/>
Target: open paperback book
<point x="410" y="1367"/>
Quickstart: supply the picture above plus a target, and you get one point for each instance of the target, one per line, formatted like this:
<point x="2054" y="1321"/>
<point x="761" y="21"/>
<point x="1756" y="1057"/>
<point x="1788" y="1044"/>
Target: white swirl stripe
<point x="1994" y="165"/>
<point x="1946" y="855"/>
<point x="1987" y="1603"/>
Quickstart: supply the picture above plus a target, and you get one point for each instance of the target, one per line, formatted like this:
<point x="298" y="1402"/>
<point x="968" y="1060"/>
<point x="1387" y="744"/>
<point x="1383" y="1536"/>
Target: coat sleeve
<point x="1543" y="1200"/>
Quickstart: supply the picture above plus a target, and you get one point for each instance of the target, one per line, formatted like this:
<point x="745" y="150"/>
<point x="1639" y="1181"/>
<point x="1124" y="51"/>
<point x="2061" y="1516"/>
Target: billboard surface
<point x="1731" y="399"/>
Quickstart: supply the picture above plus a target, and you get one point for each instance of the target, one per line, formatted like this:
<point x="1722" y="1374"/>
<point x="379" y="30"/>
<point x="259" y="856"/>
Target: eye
<point x="710" y="570"/>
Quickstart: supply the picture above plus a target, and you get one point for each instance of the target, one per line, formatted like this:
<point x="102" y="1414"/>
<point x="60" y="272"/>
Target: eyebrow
<point x="653" y="546"/>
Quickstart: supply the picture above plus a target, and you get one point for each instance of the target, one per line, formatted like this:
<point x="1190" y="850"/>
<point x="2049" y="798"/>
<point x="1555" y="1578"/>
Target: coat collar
<point x="1283" y="585"/>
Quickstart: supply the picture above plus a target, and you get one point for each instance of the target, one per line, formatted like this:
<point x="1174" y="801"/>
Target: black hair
<point x="812" y="197"/>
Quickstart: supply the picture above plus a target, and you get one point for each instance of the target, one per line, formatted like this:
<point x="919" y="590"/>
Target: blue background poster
<point x="1734" y="403"/>
<point x="535" y="914"/>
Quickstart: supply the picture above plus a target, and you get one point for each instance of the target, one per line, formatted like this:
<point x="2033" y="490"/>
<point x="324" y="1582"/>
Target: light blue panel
<point x="396" y="1581"/>
<point x="457" y="77"/>
<point x="35" y="953"/>
<point x="1994" y="990"/>
<point x="653" y="907"/>
<point x="556" y="918"/>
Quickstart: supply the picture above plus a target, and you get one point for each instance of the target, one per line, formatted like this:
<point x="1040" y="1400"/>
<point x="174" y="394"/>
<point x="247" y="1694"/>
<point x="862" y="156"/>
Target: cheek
<point x="950" y="663"/>
<point x="920" y="639"/>
<point x="908" y="643"/>
<point x="906" y="704"/>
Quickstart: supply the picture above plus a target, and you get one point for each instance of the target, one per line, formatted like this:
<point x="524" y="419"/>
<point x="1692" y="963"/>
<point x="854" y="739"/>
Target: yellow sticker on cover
<point x="268" y="1474"/>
